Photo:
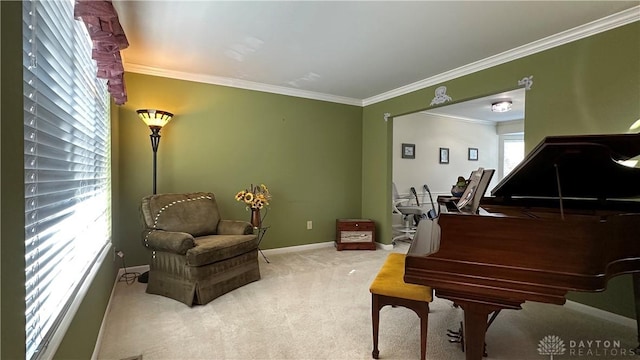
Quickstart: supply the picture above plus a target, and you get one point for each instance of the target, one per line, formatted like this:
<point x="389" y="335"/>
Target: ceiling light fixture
<point x="501" y="106"/>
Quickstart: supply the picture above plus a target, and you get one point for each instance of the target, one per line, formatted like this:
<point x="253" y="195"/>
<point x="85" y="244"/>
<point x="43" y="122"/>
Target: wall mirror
<point x="459" y="126"/>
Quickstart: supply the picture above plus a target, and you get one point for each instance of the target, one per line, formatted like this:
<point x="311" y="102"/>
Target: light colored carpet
<point x="316" y="304"/>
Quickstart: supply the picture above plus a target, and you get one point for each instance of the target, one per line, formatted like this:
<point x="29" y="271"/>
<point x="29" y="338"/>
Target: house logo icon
<point x="551" y="345"/>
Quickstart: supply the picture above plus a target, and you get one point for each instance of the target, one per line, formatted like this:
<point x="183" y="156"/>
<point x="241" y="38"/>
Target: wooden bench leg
<point x="375" y="317"/>
<point x="419" y="307"/>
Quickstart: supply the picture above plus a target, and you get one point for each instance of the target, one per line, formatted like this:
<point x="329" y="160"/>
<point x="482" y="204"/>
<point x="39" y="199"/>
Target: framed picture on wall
<point x="444" y="155"/>
<point x="408" y="151"/>
<point x="473" y="154"/>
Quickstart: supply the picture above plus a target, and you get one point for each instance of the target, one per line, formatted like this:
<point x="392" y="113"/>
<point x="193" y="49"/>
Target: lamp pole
<point x="155" y="142"/>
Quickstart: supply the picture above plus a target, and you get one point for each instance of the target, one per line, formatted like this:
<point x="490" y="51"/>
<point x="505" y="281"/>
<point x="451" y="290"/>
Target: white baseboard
<point x="290" y="249"/>
<point x="601" y="314"/>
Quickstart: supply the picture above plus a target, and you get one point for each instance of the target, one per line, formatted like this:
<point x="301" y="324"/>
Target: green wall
<point x="12" y="295"/>
<point x="223" y="139"/>
<point x="585" y="87"/>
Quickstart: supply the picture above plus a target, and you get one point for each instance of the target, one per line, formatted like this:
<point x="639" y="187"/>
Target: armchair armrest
<point x="234" y="227"/>
<point x="175" y="242"/>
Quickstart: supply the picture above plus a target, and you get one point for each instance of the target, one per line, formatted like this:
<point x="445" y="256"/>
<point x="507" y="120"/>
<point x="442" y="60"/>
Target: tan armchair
<point x="196" y="256"/>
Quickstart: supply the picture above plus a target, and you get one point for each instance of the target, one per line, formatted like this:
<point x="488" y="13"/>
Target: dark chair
<point x="411" y="214"/>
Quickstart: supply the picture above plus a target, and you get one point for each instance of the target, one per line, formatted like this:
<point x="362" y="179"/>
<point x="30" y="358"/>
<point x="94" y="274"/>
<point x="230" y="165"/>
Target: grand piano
<point x="565" y="219"/>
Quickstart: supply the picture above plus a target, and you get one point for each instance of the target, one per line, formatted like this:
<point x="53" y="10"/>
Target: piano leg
<point x="475" y="328"/>
<point x="636" y="292"/>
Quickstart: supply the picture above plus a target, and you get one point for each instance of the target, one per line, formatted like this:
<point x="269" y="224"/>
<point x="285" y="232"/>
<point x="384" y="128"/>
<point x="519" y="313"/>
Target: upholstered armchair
<point x="195" y="255"/>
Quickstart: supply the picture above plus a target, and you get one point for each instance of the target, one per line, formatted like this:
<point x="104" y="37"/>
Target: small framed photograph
<point x="444" y="155"/>
<point x="473" y="154"/>
<point x="408" y="151"/>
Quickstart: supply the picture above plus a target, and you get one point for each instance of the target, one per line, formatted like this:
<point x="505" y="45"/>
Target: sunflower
<point x="248" y="197"/>
<point x="255" y="197"/>
<point x="257" y="204"/>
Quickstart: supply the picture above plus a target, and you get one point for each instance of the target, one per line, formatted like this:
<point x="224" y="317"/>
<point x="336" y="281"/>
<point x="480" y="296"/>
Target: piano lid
<point x="586" y="166"/>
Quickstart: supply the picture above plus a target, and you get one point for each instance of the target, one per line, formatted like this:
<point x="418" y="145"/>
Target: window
<point x="512" y="149"/>
<point x="66" y="168"/>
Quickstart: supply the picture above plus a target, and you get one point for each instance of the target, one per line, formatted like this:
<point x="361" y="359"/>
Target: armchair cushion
<point x="211" y="249"/>
<point x="171" y="241"/>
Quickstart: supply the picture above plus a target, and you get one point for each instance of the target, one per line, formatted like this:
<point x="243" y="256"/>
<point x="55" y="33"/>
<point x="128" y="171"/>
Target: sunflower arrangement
<point x="255" y="197"/>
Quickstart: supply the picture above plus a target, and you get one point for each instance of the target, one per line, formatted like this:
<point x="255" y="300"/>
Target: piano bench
<point x="389" y="288"/>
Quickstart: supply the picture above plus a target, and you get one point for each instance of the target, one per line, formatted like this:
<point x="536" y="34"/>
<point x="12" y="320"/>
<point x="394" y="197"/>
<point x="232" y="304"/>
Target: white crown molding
<point x="239" y="83"/>
<point x="601" y="25"/>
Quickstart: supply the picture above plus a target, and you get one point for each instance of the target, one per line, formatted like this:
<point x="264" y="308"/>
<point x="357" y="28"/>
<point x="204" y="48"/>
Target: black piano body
<point x="565" y="219"/>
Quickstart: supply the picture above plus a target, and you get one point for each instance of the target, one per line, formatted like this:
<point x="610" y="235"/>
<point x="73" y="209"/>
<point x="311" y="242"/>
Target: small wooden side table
<point x="355" y="234"/>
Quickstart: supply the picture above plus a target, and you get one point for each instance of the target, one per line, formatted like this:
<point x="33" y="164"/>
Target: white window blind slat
<point x="66" y="167"/>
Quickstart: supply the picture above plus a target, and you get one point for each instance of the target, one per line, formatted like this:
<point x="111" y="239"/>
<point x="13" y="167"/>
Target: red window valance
<point x="108" y="38"/>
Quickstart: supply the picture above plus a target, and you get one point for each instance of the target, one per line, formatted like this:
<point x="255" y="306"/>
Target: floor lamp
<point x="155" y="120"/>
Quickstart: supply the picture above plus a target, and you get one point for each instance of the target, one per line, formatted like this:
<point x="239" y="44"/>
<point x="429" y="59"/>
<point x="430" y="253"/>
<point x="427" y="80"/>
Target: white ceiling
<point x="480" y="108"/>
<point x="352" y="52"/>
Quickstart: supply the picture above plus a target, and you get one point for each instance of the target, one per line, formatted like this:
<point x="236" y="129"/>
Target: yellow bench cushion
<point x="390" y="282"/>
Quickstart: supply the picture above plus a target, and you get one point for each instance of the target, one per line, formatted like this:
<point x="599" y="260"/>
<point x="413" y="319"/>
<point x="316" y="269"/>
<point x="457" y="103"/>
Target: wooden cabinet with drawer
<point x="355" y="234"/>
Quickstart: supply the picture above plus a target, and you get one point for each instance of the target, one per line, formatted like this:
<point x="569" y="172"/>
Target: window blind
<point x="67" y="169"/>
